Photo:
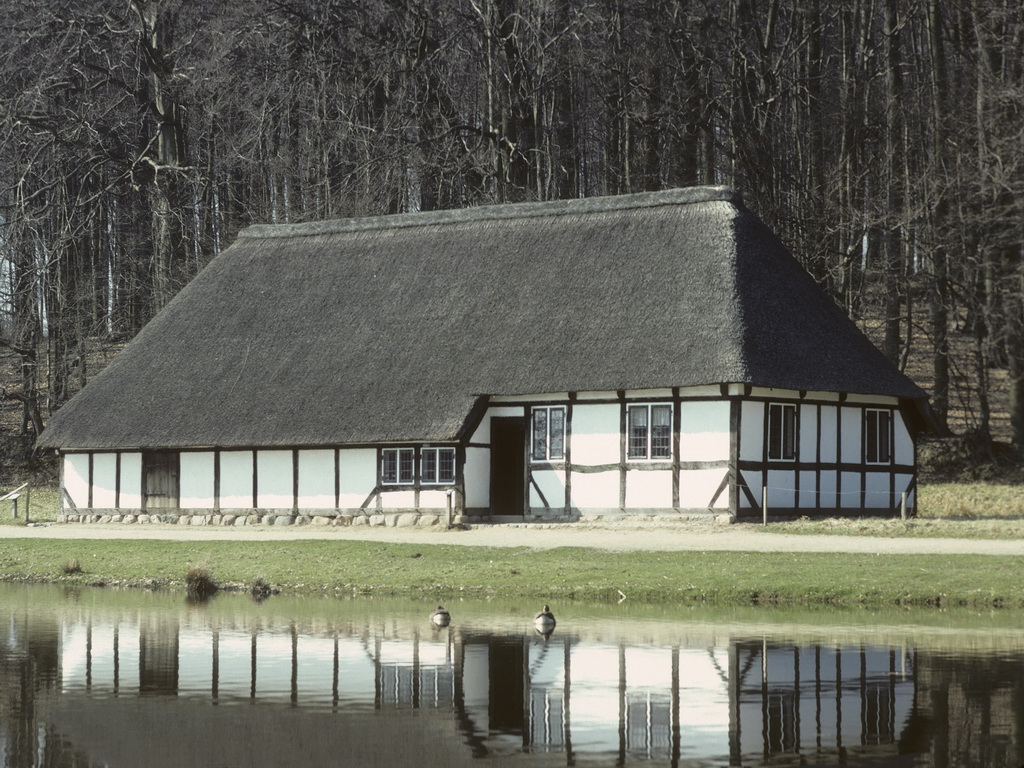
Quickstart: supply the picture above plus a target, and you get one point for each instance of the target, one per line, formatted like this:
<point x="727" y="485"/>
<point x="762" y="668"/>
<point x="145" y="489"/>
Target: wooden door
<point x="160" y="480"/>
<point x="508" y="466"/>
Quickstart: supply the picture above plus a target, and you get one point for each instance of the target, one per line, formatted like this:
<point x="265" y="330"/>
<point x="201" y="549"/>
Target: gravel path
<point x="611" y="537"/>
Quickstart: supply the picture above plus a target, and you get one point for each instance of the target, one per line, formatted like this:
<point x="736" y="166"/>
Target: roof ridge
<point x="502" y="211"/>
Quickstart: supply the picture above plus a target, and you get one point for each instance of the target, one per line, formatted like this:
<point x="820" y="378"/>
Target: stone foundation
<point x="260" y="517"/>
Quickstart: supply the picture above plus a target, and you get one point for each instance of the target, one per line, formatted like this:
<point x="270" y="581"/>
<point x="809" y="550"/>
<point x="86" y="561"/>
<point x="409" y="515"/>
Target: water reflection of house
<point x="510" y="693"/>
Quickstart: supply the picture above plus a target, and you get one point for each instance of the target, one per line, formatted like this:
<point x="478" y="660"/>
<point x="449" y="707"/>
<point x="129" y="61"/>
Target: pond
<point x="94" y="677"/>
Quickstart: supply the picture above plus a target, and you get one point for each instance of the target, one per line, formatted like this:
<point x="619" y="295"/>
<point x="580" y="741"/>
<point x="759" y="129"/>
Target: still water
<point x="121" y="678"/>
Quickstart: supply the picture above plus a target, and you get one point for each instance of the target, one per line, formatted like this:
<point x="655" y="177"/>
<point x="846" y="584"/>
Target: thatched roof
<point x="392" y="328"/>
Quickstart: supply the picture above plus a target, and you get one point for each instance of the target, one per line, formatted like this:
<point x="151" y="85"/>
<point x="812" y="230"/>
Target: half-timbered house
<point x="658" y="353"/>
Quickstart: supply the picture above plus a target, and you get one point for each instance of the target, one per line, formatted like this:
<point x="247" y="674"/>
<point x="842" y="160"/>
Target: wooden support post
<point x="903" y="505"/>
<point x="764" y="504"/>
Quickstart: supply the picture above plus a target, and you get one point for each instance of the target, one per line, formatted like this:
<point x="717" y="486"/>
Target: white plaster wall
<point x="483" y="432"/>
<point x="698" y="486"/>
<point x="902" y="484"/>
<point x="358" y="467"/>
<point x="595" y="490"/>
<point x="236" y="479"/>
<point x="877" y="486"/>
<point x="76" y="479"/>
<point x="808" y="496"/>
<point x="754" y="481"/>
<point x="477" y="476"/>
<point x="704" y="431"/>
<point x="827" y="490"/>
<point x="903" y="450"/>
<point x="197" y="480"/>
<point x="435" y="499"/>
<point x="595" y="434"/>
<point x="104" y="480"/>
<point x="316" y="479"/>
<point x="751" y="431"/>
<point x="781" y="489"/>
<point x="828" y="416"/>
<point x="808" y="425"/>
<point x="131" y="480"/>
<point x="649" y="490"/>
<point x="275" y="476"/>
<point x="852" y="452"/>
<point x="849" y="489"/>
<point x="397" y="499"/>
<point x="551" y="483"/>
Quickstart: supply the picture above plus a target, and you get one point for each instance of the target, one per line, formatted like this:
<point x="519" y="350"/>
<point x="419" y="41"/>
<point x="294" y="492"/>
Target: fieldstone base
<point x="322" y="518"/>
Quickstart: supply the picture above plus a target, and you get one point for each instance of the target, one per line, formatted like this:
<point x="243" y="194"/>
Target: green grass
<point x="43" y="506"/>
<point x="442" y="571"/>
<point x="949" y="510"/>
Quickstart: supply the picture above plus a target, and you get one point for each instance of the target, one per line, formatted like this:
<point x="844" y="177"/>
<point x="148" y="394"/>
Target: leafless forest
<point x="882" y="139"/>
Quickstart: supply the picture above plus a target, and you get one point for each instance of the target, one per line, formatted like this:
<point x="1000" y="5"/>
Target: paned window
<point x="781" y="432"/>
<point x="437" y="466"/>
<point x="649" y="431"/>
<point x="548" y="433"/>
<point x="397" y="466"/>
<point x="877" y="436"/>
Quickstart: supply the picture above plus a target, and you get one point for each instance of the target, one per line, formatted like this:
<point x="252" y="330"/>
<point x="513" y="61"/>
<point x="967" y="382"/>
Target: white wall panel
<point x="551" y="483"/>
<point x="397" y="499"/>
<point x="851" y="423"/>
<point x="827" y="490"/>
<point x="76" y="479"/>
<point x="828" y="416"/>
<point x="781" y="489"/>
<point x="104" y="480"/>
<point x="131" y="481"/>
<point x="754" y="481"/>
<point x="704" y="431"/>
<point x="751" y="431"/>
<point x="236" y="480"/>
<point x="808" y="491"/>
<point x="435" y="499"/>
<point x="808" y="420"/>
<point x="597" y="490"/>
<point x="849" y="490"/>
<point x="649" y="490"/>
<point x="477" y="474"/>
<point x="275" y="476"/>
<point x="698" y="486"/>
<point x="595" y="434"/>
<point x="197" y="480"/>
<point x="904" y="447"/>
<point x="358" y="468"/>
<point x="316" y="479"/>
<point x="877" y="494"/>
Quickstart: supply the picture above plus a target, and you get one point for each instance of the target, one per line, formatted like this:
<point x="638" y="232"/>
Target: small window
<point x="397" y="466"/>
<point x="649" y="431"/>
<point x="877" y="436"/>
<point x="781" y="432"/>
<point x="437" y="466"/>
<point x="548" y="434"/>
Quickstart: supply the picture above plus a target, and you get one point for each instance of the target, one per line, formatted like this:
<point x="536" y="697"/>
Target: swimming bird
<point x="441" y="617"/>
<point x="545" y="620"/>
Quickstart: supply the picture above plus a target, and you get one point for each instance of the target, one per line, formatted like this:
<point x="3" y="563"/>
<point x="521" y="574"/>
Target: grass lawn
<point x="441" y="571"/>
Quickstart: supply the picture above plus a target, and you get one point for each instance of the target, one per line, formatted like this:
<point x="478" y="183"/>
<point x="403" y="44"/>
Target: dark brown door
<point x="508" y="466"/>
<point x="160" y="480"/>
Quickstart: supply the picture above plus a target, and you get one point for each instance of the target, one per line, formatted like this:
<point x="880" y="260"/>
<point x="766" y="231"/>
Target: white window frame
<point x="793" y="442"/>
<point x="648" y="452"/>
<point x="435" y="477"/>
<point x="397" y="456"/>
<point x="883" y="438"/>
<point x="546" y="442"/>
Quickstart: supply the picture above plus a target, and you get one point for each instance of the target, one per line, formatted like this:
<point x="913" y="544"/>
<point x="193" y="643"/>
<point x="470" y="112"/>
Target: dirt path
<point x="682" y="537"/>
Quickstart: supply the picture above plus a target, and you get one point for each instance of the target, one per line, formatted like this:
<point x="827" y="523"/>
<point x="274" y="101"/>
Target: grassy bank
<point x="441" y="571"/>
